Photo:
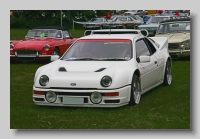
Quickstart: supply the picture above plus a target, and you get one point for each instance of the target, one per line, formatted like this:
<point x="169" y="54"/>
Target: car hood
<point x="85" y="74"/>
<point x="32" y="43"/>
<point x="176" y="37"/>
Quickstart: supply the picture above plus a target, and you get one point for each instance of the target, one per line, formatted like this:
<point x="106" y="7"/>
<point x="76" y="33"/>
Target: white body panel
<point x="85" y="80"/>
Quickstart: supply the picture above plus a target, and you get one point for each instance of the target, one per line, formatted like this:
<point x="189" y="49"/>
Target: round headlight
<point x="51" y="96"/>
<point x="106" y="81"/>
<point x="96" y="97"/>
<point x="44" y="80"/>
<point x="46" y="47"/>
<point x="11" y="46"/>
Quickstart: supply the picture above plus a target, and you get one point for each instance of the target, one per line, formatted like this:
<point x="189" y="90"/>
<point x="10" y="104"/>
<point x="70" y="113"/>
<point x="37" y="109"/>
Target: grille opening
<point x="112" y="101"/>
<point x="39" y="99"/>
<point x="173" y="46"/>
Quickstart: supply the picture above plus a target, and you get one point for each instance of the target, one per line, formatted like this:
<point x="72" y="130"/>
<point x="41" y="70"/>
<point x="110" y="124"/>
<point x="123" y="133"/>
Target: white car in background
<point x="106" y="68"/>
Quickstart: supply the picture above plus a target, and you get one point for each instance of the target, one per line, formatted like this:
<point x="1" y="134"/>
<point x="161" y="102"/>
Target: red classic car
<point x="41" y="43"/>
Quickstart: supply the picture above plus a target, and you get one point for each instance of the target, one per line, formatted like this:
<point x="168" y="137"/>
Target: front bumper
<point x="107" y="101"/>
<point x="175" y="54"/>
<point x="29" y="57"/>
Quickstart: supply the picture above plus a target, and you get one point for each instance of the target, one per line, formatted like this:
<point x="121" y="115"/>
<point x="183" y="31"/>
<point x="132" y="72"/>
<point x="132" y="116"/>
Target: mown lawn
<point x="164" y="107"/>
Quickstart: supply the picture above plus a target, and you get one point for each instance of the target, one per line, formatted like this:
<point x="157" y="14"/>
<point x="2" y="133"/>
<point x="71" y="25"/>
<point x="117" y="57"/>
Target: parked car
<point x="147" y="18"/>
<point x="41" y="43"/>
<point x="104" y="70"/>
<point x="178" y="33"/>
<point x="135" y="12"/>
<point x="124" y="22"/>
<point x="152" y="24"/>
<point x="95" y="23"/>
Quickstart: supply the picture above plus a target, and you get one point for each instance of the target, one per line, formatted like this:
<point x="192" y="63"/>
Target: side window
<point x="141" y="48"/>
<point x="151" y="47"/>
<point x="129" y="19"/>
<point x="65" y="33"/>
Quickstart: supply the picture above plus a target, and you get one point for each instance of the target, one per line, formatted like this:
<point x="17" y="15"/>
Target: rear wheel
<point x="168" y="74"/>
<point x="135" y="91"/>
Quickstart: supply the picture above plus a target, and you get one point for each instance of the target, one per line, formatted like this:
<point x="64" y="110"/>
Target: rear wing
<point x="161" y="42"/>
<point x="116" y="31"/>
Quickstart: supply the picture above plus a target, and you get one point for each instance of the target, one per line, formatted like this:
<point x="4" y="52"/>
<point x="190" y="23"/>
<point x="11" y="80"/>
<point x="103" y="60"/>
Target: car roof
<point x="51" y="27"/>
<point x="111" y="36"/>
<point x="174" y="20"/>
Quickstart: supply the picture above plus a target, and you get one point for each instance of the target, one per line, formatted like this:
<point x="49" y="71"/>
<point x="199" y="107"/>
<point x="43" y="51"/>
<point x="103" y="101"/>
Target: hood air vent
<point x="62" y="69"/>
<point x="99" y="70"/>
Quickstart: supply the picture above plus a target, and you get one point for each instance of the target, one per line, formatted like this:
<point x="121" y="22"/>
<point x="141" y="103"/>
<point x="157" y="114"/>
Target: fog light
<point x="96" y="97"/>
<point x="51" y="96"/>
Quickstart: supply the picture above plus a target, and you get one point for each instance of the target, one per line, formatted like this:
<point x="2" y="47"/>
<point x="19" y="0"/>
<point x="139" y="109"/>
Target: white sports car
<point x="104" y="70"/>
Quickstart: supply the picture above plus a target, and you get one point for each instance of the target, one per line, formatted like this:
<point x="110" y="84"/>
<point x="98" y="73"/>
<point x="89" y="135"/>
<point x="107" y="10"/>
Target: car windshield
<point x="100" y="49"/>
<point x="174" y="27"/>
<point x="155" y="19"/>
<point x="120" y="19"/>
<point x="44" y="33"/>
<point x="96" y="20"/>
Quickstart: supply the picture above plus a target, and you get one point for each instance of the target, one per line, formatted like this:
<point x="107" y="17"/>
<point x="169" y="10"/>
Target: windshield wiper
<point x="114" y="59"/>
<point x="86" y="58"/>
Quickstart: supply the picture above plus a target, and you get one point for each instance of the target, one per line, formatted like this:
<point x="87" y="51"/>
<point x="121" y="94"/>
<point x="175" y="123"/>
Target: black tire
<point x="168" y="73"/>
<point x="56" y="52"/>
<point x="135" y="95"/>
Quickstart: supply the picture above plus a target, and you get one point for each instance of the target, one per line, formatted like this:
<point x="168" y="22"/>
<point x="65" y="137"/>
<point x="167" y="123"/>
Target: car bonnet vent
<point x="62" y="69"/>
<point x="99" y="70"/>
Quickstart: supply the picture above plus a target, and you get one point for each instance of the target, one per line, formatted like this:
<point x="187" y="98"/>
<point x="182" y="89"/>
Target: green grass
<point x="164" y="107"/>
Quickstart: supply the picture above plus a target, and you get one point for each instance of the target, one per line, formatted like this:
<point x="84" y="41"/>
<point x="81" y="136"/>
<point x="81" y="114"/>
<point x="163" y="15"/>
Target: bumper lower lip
<point x="29" y="56"/>
<point x="107" y="101"/>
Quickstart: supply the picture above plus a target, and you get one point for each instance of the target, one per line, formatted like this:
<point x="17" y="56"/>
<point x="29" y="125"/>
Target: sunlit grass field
<point x="164" y="107"/>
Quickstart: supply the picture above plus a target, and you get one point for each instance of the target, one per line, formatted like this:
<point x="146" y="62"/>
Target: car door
<point x="130" y="23"/>
<point x="148" y="70"/>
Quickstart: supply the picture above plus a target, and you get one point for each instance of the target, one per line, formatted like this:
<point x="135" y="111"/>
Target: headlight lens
<point x="44" y="80"/>
<point x="106" y="81"/>
<point x="96" y="97"/>
<point x="46" y="47"/>
<point x="51" y="96"/>
<point x="185" y="43"/>
<point x="11" y="46"/>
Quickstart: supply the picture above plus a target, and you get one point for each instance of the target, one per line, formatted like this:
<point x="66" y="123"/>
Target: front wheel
<point x="135" y="91"/>
<point x="56" y="52"/>
<point x="168" y="74"/>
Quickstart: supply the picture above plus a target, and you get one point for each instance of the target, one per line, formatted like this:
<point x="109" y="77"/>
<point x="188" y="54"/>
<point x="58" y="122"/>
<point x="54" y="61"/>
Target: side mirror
<point x="143" y="59"/>
<point x="144" y="32"/>
<point x="87" y="32"/>
<point x="54" y="57"/>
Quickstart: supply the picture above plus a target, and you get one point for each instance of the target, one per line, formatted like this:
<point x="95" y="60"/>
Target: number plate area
<point x="73" y="100"/>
